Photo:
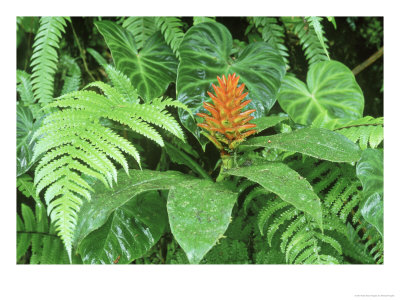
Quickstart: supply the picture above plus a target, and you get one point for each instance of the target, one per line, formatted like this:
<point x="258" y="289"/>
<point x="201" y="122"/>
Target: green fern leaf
<point x="309" y="39"/>
<point x="171" y="28"/>
<point x="122" y="84"/>
<point x="44" y="58"/>
<point x="75" y="143"/>
<point x="141" y="28"/>
<point x="71" y="75"/>
<point x="273" y="34"/>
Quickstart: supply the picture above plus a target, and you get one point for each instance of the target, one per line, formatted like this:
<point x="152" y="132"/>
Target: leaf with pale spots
<point x="199" y="213"/>
<point x="281" y="180"/>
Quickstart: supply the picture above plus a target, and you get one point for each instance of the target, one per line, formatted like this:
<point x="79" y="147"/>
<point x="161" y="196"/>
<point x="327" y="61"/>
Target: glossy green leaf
<point x="180" y="157"/>
<point x="199" y="213"/>
<point x="151" y="69"/>
<point x="129" y="232"/>
<point x="370" y="173"/>
<point x="316" y="142"/>
<point x="205" y="54"/>
<point x="267" y="122"/>
<point x="95" y="213"/>
<point x="331" y="93"/>
<point x="281" y="180"/>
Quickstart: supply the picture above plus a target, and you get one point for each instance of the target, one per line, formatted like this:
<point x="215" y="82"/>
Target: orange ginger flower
<point x="227" y="126"/>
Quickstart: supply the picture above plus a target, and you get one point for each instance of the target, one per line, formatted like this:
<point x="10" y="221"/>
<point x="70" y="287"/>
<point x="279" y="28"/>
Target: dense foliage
<point x="114" y="122"/>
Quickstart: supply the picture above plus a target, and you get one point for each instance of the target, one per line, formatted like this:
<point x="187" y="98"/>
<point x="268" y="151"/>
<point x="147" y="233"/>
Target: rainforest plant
<point x="115" y="164"/>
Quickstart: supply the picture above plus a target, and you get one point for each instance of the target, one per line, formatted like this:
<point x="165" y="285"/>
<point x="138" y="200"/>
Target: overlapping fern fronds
<point x="45" y="57"/>
<point x="273" y="33"/>
<point x="25" y="92"/>
<point x="171" y="28"/>
<point x="341" y="193"/>
<point x="302" y="242"/>
<point x="35" y="234"/>
<point x="311" y="34"/>
<point x="71" y="75"/>
<point x="141" y="28"/>
<point x="75" y="142"/>
<point x="367" y="130"/>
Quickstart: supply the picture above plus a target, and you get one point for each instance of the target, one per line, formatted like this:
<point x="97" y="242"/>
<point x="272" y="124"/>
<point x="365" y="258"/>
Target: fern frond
<point x="122" y="84"/>
<point x="44" y="58"/>
<point x="25" y="91"/>
<point x="365" y="130"/>
<point x="171" y="28"/>
<point x="24" y="87"/>
<point x="267" y="212"/>
<point x="75" y="143"/>
<point x="141" y="28"/>
<point x="274" y="34"/>
<point x="34" y="232"/>
<point x="71" y="76"/>
<point x="315" y="23"/>
<point x="309" y="39"/>
<point x="341" y="193"/>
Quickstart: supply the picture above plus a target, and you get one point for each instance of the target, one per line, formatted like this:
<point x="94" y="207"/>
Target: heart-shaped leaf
<point x="199" y="213"/>
<point x="281" y="180"/>
<point x="205" y="54"/>
<point x="129" y="232"/>
<point x="331" y="93"/>
<point x="315" y="142"/>
<point x="151" y="69"/>
<point x="370" y="173"/>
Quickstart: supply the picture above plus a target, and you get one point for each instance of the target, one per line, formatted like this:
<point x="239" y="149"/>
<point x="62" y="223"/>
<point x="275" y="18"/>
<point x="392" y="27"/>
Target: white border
<point x="197" y="282"/>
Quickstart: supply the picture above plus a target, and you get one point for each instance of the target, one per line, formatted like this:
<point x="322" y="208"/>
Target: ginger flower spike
<point x="227" y="125"/>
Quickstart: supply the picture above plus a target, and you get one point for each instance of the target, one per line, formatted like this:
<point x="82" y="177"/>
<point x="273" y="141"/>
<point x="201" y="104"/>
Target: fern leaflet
<point x="44" y="59"/>
<point x="273" y="34"/>
<point x="171" y="28"/>
<point x="367" y="130"/>
<point x="141" y="28"/>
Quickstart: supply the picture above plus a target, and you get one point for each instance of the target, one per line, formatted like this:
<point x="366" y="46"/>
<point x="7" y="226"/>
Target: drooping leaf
<point x="151" y="69"/>
<point x="267" y="122"/>
<point x="104" y="202"/>
<point x="281" y="180"/>
<point x="199" y="213"/>
<point x="316" y="142"/>
<point x="331" y="93"/>
<point x="205" y="54"/>
<point x="370" y="173"/>
<point x="130" y="231"/>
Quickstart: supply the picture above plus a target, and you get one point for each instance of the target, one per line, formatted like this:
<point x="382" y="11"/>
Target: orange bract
<point x="228" y="125"/>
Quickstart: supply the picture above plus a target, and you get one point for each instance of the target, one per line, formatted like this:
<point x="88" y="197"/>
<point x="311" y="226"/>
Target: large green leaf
<point x="205" y="54"/>
<point x="198" y="210"/>
<point x="95" y="213"/>
<point x="151" y="69"/>
<point x="316" y="142"/>
<point x="129" y="232"/>
<point x="331" y="93"/>
<point x="199" y="213"/>
<point x="281" y="180"/>
<point x="370" y="173"/>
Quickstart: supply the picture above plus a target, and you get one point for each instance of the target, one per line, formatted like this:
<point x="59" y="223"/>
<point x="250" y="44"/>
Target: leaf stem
<point x="82" y="53"/>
